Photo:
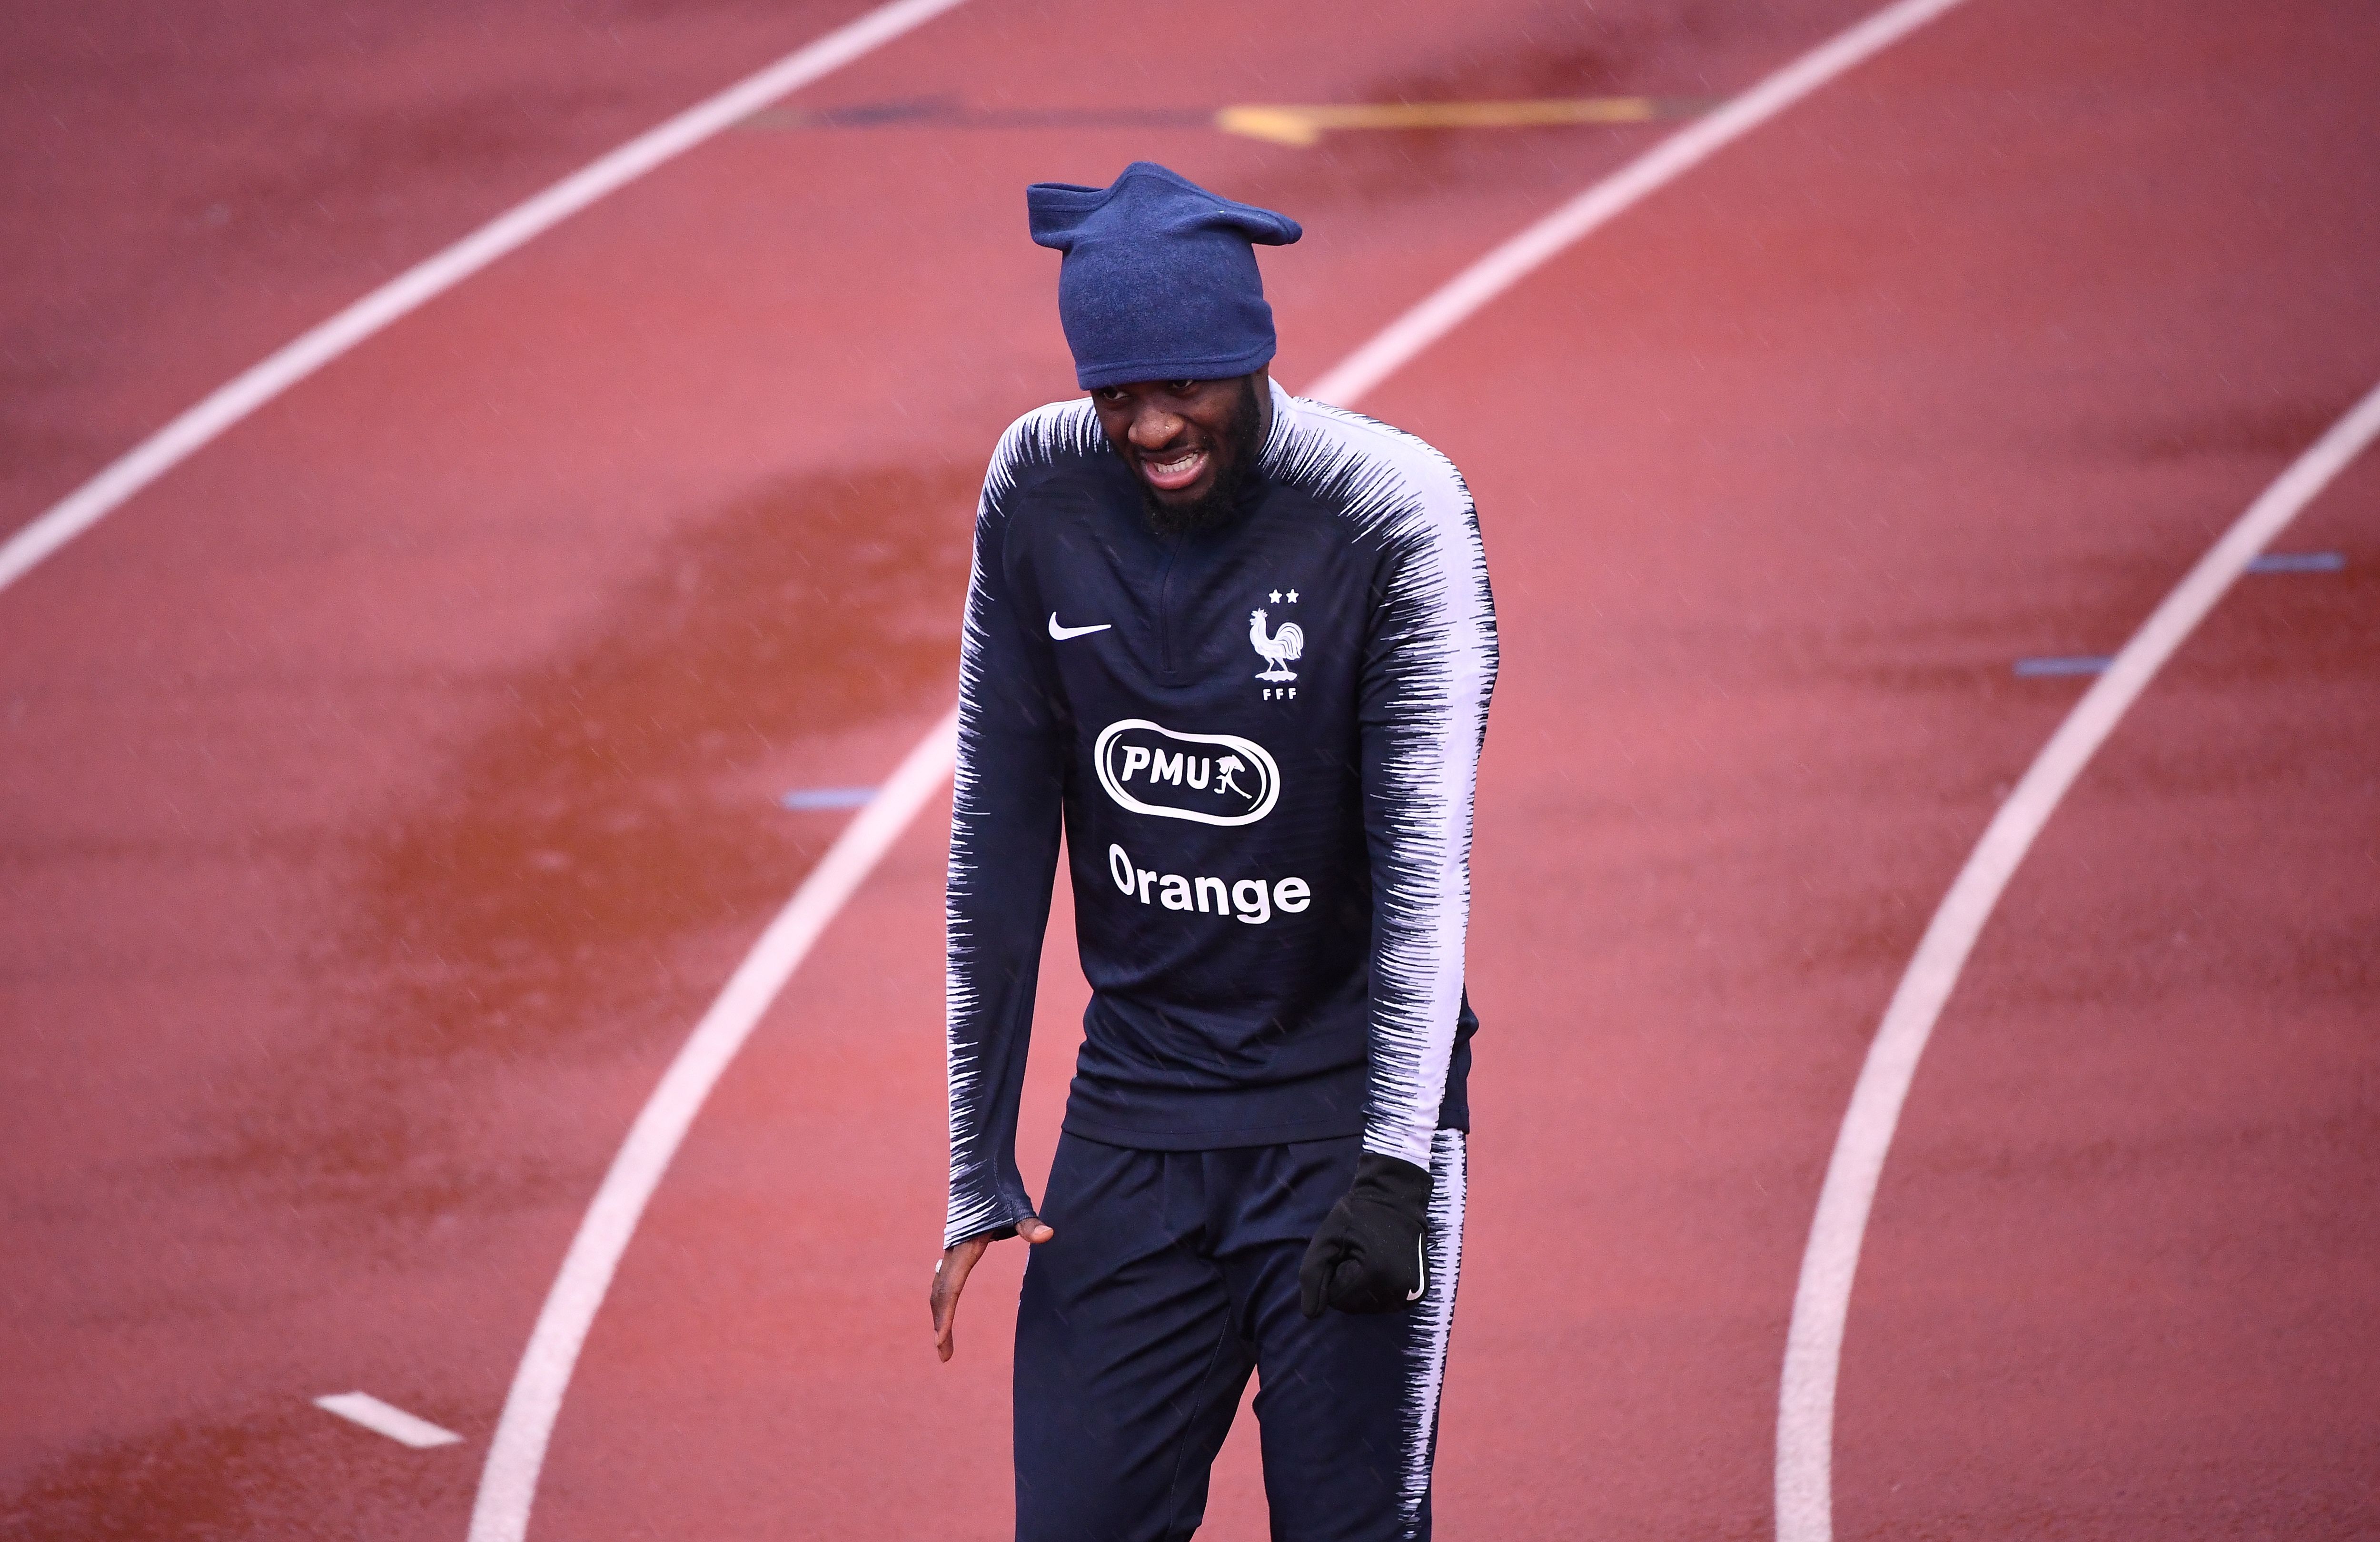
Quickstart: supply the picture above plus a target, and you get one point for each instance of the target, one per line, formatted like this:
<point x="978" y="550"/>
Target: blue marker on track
<point x="2299" y="561"/>
<point x="826" y="797"/>
<point x="2080" y="664"/>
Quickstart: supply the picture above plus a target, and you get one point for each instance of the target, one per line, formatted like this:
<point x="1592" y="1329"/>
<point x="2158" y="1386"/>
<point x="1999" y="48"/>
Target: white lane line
<point x="1461" y="295"/>
<point x="386" y="1419"/>
<point x="186" y="434"/>
<point x="508" y="1487"/>
<point x="1805" y="1405"/>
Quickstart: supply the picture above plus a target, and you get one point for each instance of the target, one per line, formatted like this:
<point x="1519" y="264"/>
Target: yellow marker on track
<point x="1305" y="126"/>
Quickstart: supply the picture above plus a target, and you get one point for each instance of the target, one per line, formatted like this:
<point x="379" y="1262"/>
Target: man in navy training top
<point x="1240" y="646"/>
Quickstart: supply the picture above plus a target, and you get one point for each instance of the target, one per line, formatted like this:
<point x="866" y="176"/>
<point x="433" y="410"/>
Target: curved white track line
<point x="1805" y="1405"/>
<point x="508" y="1486"/>
<point x="186" y="434"/>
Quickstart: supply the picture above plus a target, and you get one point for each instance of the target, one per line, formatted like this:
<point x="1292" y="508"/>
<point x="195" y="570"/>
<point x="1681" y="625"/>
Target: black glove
<point x="1368" y="1256"/>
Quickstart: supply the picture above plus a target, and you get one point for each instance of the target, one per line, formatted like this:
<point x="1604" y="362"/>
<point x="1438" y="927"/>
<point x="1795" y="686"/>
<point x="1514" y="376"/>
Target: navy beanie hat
<point x="1159" y="280"/>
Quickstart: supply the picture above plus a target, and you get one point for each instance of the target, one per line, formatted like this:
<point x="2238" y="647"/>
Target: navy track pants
<point x="1174" y="1274"/>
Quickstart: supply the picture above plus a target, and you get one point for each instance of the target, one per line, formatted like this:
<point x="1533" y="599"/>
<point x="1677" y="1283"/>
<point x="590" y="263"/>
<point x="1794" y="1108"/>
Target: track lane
<point x="2130" y="1221"/>
<point x="2126" y="1288"/>
<point x="223" y="408"/>
<point x="1814" y="1338"/>
<point x="1861" y="434"/>
<point x="194" y="191"/>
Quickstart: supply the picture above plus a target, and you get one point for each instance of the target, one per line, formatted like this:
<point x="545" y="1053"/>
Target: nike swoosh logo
<point x="1421" y="1266"/>
<point x="1063" y="633"/>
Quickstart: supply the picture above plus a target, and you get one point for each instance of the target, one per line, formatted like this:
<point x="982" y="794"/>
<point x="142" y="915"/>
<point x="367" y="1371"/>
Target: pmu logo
<point x="1212" y="778"/>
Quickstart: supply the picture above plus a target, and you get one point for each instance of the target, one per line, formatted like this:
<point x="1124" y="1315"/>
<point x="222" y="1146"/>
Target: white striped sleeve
<point x="1429" y="672"/>
<point x="1005" y="822"/>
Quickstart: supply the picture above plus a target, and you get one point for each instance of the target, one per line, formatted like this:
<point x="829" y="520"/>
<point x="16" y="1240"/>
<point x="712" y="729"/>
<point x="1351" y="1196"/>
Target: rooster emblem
<point x="1277" y="648"/>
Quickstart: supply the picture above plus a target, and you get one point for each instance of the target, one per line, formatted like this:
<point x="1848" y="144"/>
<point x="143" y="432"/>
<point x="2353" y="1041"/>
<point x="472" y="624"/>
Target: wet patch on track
<point x="587" y="832"/>
<point x="183" y="1481"/>
<point x="2308" y="627"/>
<point x="343" y="177"/>
<point x="262" y="1475"/>
<point x="1866" y="934"/>
<point x="564" y="890"/>
<point x="2269" y="428"/>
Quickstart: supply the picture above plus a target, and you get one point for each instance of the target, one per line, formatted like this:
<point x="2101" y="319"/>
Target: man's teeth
<point x="1179" y="463"/>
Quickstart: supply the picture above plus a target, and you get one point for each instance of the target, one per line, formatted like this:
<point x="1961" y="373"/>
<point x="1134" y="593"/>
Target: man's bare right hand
<point x="951" y="1275"/>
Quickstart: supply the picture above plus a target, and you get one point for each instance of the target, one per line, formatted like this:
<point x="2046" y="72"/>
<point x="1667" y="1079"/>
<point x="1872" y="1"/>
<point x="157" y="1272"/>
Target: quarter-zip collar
<point x="1276" y="445"/>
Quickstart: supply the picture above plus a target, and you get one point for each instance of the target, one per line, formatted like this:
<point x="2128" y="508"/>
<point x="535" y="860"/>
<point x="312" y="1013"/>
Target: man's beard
<point x="1220" y="504"/>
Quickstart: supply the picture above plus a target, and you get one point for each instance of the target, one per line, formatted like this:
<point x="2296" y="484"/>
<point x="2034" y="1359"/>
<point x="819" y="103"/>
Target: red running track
<point x="388" y="790"/>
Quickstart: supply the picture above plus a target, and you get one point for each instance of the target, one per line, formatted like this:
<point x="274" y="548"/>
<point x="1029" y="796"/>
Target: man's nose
<point x="1153" y="429"/>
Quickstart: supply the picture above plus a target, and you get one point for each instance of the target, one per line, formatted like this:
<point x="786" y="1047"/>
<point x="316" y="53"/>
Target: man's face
<point x="1188" y="443"/>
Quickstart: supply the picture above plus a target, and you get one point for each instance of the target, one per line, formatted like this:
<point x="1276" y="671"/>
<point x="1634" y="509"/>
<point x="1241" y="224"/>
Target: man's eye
<point x="1185" y="387"/>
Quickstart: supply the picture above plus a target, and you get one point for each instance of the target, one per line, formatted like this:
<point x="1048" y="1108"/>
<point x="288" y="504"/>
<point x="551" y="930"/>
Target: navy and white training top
<point x="1261" y="741"/>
